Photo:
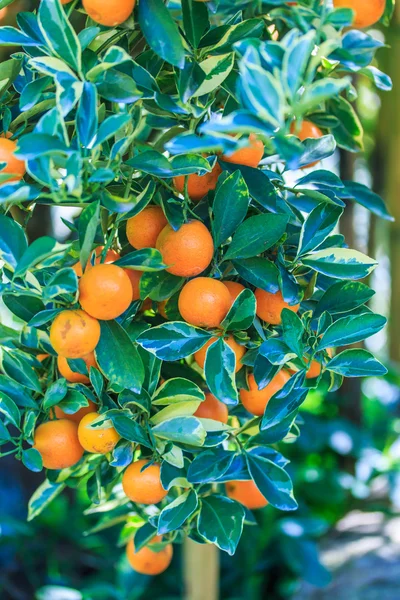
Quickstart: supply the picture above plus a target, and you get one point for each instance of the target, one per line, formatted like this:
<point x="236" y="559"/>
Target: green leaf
<point x="32" y="459"/>
<point x="242" y="312"/>
<point x="221" y="522"/>
<point x="340" y="263"/>
<point x="210" y="465"/>
<point x="177" y="512"/>
<point x="195" y="20"/>
<point x="342" y="297"/>
<point x="177" y="390"/>
<point x="260" y="272"/>
<point x="320" y="223"/>
<point x="129" y="429"/>
<point x="230" y="206"/>
<point x="16" y="367"/>
<point x="89" y="220"/>
<point x="55" y="393"/>
<point x="159" y="285"/>
<point x="183" y="430"/>
<point x="293" y="330"/>
<point x="118" y="358"/>
<point x="16" y="392"/>
<point x="59" y="33"/>
<point x="367" y="198"/>
<point x="13" y="241"/>
<point x="42" y="497"/>
<point x="64" y="281"/>
<point x="319" y="91"/>
<point x="146" y="259"/>
<point x="272" y="481"/>
<point x="349" y="132"/>
<point x="172" y="341"/>
<point x="10" y="409"/>
<point x="40" y="249"/>
<point x="219" y="370"/>
<point x="24" y="307"/>
<point x="351" y="329"/>
<point x="256" y="235"/>
<point x="356" y="362"/>
<point x="161" y="32"/>
<point x="217" y="69"/>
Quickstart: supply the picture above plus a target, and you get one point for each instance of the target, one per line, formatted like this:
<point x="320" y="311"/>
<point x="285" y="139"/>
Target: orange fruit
<point x="110" y="13"/>
<point x="315" y="367"/>
<point x="75" y="417"/>
<point x="58" y="444"/>
<point x="96" y="440"/>
<point x="188" y="251"/>
<point x="255" y="400"/>
<point x="134" y="278"/>
<point x="247" y="493"/>
<point x="143" y="229"/>
<point x="74" y="376"/>
<point x="3" y="13"/>
<point x="111" y="256"/>
<point x="234" y="289"/>
<point x="204" y="302"/>
<point x="42" y="357"/>
<point x="148" y="561"/>
<point x="14" y="165"/>
<point x="249" y="156"/>
<point x="367" y="12"/>
<point x="105" y="292"/>
<point x="65" y="1"/>
<point x="270" y="306"/>
<point x="212" y="408"/>
<point x="307" y="130"/>
<point x="240" y="351"/>
<point x="143" y="487"/>
<point x="161" y="308"/>
<point x="198" y="185"/>
<point x="74" y="333"/>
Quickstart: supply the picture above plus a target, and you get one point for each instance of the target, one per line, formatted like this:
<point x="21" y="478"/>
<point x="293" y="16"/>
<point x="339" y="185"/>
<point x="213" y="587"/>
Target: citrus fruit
<point x="74" y="376"/>
<point x="96" y="440"/>
<point x="134" y="278"/>
<point x="14" y="165"/>
<point x="204" y="302"/>
<point x="234" y="289"/>
<point x="315" y="367"/>
<point x="200" y="355"/>
<point x="212" y="408"/>
<point x="143" y="229"/>
<point x="58" y="444"/>
<point x="248" y="156"/>
<point x="247" y="493"/>
<point x="148" y="561"/>
<point x="143" y="487"/>
<point x="42" y="357"/>
<point x="105" y="292"/>
<point x="198" y="185"/>
<point x="110" y="13"/>
<point x="3" y="13"/>
<point x="367" y="12"/>
<point x="270" y="306"/>
<point x="75" y="417"/>
<point x="74" y="333"/>
<point x="188" y="251"/>
<point x="255" y="400"/>
<point x="111" y="256"/>
<point x="161" y="308"/>
<point x="307" y="130"/>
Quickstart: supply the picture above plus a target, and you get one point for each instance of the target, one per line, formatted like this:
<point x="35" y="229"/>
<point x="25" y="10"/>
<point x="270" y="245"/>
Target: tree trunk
<point x="201" y="571"/>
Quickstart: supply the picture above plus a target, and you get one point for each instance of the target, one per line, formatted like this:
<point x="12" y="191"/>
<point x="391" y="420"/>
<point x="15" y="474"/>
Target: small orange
<point x="14" y="165"/>
<point x="148" y="561"/>
<point x="198" y="185"/>
<point x="105" y="292"/>
<point x="3" y="13"/>
<point x="204" y="302"/>
<point x="240" y="351"/>
<point x="248" y="156"/>
<point x="143" y="229"/>
<point x="307" y="130"/>
<point x="42" y="357"/>
<point x="134" y="278"/>
<point x="212" y="408"/>
<point x="111" y="256"/>
<point x="188" y="251"/>
<point x="96" y="440"/>
<point x="74" y="333"/>
<point x="161" y="308"/>
<point x="143" y="487"/>
<point x="234" y="289"/>
<point x="74" y="376"/>
<point x="270" y="306"/>
<point x="367" y="12"/>
<point x="110" y="13"/>
<point x="255" y="400"/>
<point x="247" y="493"/>
<point x="75" y="417"/>
<point x="316" y="367"/>
<point x="58" y="444"/>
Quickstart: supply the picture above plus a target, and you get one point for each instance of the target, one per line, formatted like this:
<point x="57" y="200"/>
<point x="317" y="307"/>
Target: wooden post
<point x="201" y="571"/>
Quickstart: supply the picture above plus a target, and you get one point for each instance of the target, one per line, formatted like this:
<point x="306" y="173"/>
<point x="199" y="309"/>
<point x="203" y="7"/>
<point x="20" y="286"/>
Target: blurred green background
<point x="344" y="541"/>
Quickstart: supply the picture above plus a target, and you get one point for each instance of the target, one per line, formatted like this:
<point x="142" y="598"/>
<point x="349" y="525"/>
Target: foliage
<point x="105" y="121"/>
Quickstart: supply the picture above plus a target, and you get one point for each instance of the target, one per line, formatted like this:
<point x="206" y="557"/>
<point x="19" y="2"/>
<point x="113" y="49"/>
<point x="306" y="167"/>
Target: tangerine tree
<point x="162" y="353"/>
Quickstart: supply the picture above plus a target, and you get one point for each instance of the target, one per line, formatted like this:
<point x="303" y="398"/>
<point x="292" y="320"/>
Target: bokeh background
<point x="344" y="541"/>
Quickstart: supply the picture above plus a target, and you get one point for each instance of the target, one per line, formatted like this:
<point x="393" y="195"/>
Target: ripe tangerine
<point x="75" y="417"/>
<point x="74" y="376"/>
<point x="143" y="486"/>
<point x="234" y="289"/>
<point x="204" y="302"/>
<point x="105" y="292"/>
<point x="143" y="229"/>
<point x="247" y="493"/>
<point x="198" y="185"/>
<point x="255" y="400"/>
<point x="248" y="156"/>
<point x="14" y="166"/>
<point x="96" y="440"/>
<point x="146" y="560"/>
<point x="111" y="256"/>
<point x="74" y="333"/>
<point x="110" y="13"/>
<point x="212" y="408"/>
<point x="270" y="306"/>
<point x="188" y="251"/>
<point x="367" y="12"/>
<point x="58" y="444"/>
